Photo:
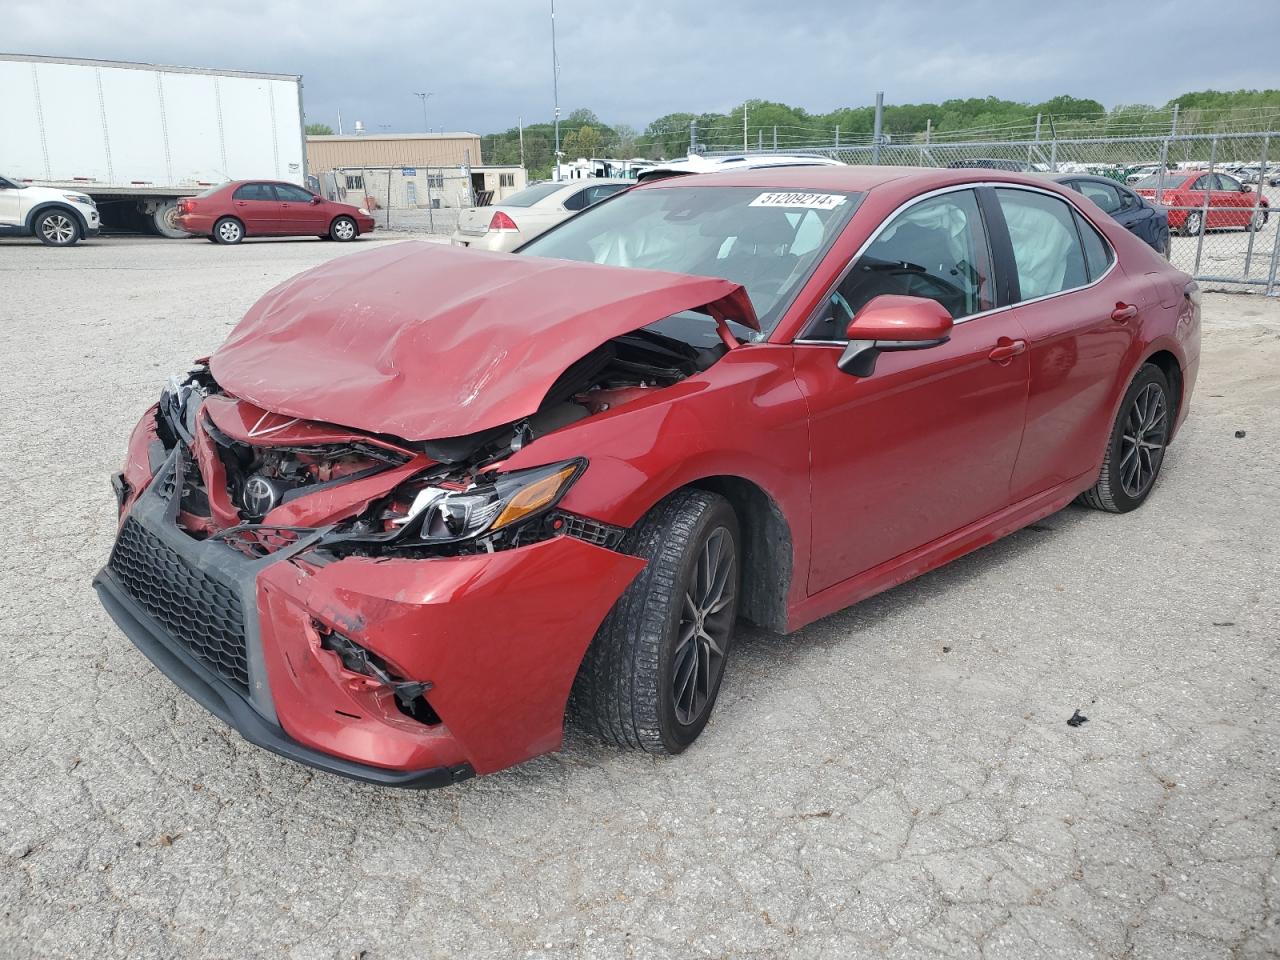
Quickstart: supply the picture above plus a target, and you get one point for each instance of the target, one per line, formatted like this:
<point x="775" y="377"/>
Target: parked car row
<point x="227" y="213"/>
<point x="1199" y="200"/>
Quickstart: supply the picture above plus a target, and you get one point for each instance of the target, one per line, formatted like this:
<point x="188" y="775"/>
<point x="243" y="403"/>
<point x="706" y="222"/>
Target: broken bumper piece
<point x="400" y="672"/>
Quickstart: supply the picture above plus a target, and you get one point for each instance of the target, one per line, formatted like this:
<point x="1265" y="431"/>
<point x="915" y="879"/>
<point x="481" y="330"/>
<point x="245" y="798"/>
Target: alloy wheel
<point x="1193" y="224"/>
<point x="705" y="627"/>
<point x="58" y="228"/>
<point x="1259" y="220"/>
<point x="229" y="231"/>
<point x="344" y="229"/>
<point x="1142" y="442"/>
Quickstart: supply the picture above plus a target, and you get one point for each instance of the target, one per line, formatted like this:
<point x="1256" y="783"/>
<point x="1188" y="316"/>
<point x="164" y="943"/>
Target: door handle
<point x="242" y="203"/>
<point x="1006" y="349"/>
<point x="1124" y="311"/>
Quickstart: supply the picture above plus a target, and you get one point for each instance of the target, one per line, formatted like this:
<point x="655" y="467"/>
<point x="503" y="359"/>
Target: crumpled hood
<point x="423" y="341"/>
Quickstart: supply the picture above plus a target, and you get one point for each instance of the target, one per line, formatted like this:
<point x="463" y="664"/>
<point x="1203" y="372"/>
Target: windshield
<point x="212" y="190"/>
<point x="6" y="182"/>
<point x="531" y="195"/>
<point x="767" y="240"/>
<point x="1152" y="181"/>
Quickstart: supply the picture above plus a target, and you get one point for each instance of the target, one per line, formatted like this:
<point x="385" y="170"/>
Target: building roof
<point x="365" y="137"/>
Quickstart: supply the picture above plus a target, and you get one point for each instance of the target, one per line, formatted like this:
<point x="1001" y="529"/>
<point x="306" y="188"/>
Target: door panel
<point x="298" y="215"/>
<point x="922" y="447"/>
<point x="257" y="207"/>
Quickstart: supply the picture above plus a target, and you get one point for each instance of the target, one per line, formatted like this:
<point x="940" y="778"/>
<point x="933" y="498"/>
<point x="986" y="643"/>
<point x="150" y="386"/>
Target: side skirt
<point x="932" y="555"/>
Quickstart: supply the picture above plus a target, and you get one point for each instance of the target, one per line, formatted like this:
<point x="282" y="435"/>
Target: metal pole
<point x="775" y="138"/>
<point x="520" y="124"/>
<point x="555" y="84"/>
<point x="760" y="140"/>
<point x="1257" y="203"/>
<point x="928" y="130"/>
<point x="744" y="127"/>
<point x="388" y="198"/>
<point x="1173" y="128"/>
<point x="431" y="217"/>
<point x="693" y="137"/>
<point x="424" y="97"/>
<point x="1204" y="207"/>
<point x="1031" y="149"/>
<point x="837" y="136"/>
<point x="1053" y="156"/>
<point x="875" y="146"/>
<point x="1273" y="280"/>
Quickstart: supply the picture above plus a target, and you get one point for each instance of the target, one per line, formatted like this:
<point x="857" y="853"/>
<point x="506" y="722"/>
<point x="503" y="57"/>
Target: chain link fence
<point x="412" y="199"/>
<point x="1221" y="190"/>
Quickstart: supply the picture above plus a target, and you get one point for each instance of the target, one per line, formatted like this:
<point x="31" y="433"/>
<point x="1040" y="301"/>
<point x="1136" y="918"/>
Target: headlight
<point x="440" y="515"/>
<point x="79" y="198"/>
<point x="364" y="211"/>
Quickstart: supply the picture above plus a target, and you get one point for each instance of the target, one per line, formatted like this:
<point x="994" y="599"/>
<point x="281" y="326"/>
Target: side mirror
<point x="892" y="322"/>
<point x="315" y="200"/>
<point x="1245" y="188"/>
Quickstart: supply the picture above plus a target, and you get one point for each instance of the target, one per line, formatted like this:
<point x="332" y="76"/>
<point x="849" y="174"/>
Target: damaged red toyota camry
<point x="424" y="499"/>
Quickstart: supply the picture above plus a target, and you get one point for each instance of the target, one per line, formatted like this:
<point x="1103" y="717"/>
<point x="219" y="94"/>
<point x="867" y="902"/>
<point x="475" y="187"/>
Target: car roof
<point x="848" y="179"/>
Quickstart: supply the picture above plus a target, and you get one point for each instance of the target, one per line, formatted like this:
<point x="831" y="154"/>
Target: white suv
<point x="55" y="216"/>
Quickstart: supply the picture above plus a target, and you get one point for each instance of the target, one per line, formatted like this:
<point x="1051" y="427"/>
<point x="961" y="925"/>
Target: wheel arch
<point x="344" y="216"/>
<point x="767" y="549"/>
<point x="46" y="205"/>
<point x="213" y="230"/>
<point x="1171" y="367"/>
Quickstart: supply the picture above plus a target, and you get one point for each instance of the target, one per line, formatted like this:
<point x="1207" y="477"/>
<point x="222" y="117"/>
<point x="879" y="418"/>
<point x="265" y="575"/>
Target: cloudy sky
<point x="488" y="63"/>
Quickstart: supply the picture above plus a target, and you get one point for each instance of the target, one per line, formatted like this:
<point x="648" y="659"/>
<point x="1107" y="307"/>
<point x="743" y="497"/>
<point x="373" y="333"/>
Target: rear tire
<point x="228" y="230"/>
<point x="57" y="228"/>
<point x="164" y="220"/>
<point x="650" y="679"/>
<point x="1257" y="221"/>
<point x="1194" y="224"/>
<point x="343" y="229"/>
<point x="1136" y="447"/>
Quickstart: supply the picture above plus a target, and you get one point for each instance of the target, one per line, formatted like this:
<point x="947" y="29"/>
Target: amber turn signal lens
<point x="534" y="497"/>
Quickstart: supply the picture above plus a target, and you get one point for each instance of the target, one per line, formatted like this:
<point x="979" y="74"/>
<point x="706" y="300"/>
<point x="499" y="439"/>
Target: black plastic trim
<point x="228" y="706"/>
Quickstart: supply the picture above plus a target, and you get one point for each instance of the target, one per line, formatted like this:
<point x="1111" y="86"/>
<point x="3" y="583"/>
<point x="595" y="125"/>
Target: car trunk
<point x="474" y="221"/>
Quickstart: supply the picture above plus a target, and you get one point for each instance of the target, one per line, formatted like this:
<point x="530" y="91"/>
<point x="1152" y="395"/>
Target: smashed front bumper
<point x="495" y="638"/>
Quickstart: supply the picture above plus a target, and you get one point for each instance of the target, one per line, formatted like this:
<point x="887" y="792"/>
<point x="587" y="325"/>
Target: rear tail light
<point x="186" y="206"/>
<point x="501" y="223"/>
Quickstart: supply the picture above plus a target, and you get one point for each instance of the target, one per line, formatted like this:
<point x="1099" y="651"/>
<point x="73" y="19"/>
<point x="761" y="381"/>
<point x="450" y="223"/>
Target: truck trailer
<point x="137" y="136"/>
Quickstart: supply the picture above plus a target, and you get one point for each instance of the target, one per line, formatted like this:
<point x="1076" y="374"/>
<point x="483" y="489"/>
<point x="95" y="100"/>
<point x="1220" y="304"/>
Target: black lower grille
<point x="592" y="531"/>
<point x="201" y="613"/>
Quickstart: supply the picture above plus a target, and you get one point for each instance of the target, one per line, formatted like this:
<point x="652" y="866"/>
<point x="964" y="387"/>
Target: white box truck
<point x="136" y="136"/>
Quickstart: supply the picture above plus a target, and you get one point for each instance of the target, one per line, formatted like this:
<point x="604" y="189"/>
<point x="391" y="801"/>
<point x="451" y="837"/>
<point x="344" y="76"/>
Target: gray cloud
<point x="487" y="64"/>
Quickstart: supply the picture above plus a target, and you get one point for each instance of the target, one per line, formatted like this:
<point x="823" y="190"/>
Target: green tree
<point x="319" y="130"/>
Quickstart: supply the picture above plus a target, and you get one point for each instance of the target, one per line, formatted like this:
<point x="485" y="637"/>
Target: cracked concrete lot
<point x="896" y="780"/>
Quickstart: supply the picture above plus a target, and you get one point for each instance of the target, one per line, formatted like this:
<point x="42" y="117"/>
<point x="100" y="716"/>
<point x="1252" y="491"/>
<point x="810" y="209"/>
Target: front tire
<point x="228" y="230"/>
<point x="1194" y="223"/>
<point x="1135" y="450"/>
<point x="650" y="679"/>
<point x="1257" y="221"/>
<point x="58" y="228"/>
<point x="343" y="229"/>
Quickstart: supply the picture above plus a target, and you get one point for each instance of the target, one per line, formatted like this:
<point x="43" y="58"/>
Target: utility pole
<point x="339" y="121"/>
<point x="424" y="97"/>
<point x="875" y="146"/>
<point x="744" y="127"/>
<point x="555" y="84"/>
<point x="520" y="124"/>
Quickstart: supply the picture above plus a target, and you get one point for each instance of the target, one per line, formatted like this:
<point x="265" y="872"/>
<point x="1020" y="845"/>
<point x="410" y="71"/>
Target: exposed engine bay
<point x="441" y="497"/>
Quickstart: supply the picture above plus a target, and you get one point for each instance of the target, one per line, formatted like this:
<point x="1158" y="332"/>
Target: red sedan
<point x="1200" y="200"/>
<point x="269" y="208"/>
<point x="424" y="497"/>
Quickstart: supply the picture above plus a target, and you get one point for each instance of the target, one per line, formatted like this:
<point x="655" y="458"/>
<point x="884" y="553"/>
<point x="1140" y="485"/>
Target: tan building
<point x="392" y="150"/>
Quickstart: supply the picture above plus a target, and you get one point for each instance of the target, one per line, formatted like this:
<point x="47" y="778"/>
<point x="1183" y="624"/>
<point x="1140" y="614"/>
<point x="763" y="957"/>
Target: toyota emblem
<point x="260" y="495"/>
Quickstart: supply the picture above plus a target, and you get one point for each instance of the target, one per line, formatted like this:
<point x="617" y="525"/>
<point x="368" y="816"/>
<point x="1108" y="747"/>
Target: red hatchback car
<point x="269" y="208"/>
<point x="425" y="497"/>
<point x="1200" y="200"/>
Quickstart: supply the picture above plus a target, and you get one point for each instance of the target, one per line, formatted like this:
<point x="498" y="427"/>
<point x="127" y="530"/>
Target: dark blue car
<point x="1138" y="215"/>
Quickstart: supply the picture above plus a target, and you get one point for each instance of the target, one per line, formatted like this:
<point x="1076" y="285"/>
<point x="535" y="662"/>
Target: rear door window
<point x="1046" y="245"/>
<point x="1103" y="194"/>
<point x="1097" y="252"/>
<point x="255" y="191"/>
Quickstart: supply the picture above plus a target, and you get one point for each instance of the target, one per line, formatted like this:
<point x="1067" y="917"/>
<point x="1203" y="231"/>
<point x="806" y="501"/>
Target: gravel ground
<point x="896" y="780"/>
